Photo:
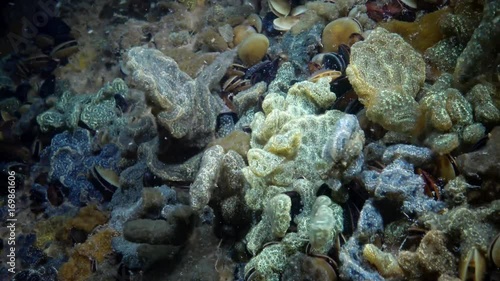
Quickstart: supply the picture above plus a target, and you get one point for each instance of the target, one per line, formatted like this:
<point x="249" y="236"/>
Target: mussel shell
<point x="255" y="21"/>
<point x="54" y="194"/>
<point x="264" y="71"/>
<point x="410" y="4"/>
<point x="494" y="251"/>
<point x="253" y="49"/>
<point x="338" y="32"/>
<point x="285" y="24"/>
<point x="36" y="61"/>
<point x="241" y="32"/>
<point x="345" y="53"/>
<point x="334" y="61"/>
<point x="250" y="275"/>
<point x="107" y="181"/>
<point x="325" y="73"/>
<point x="121" y="102"/>
<point x="65" y="49"/>
<point x="472" y="265"/>
<point x="327" y="266"/>
<point x="298" y="10"/>
<point x="36" y="149"/>
<point x="280" y="8"/>
<point x="236" y="70"/>
<point x="232" y="83"/>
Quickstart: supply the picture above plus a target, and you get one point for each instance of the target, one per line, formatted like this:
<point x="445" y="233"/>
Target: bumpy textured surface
<point x="483" y="163"/>
<point x="353" y="265"/>
<point x="386" y="263"/>
<point x="370" y="223"/>
<point x="473" y="133"/>
<point x="148" y="152"/>
<point x="467" y="227"/>
<point x="271" y="260"/>
<point x="284" y="77"/>
<point x="325" y="224"/>
<point x="278" y="211"/>
<point x="386" y="73"/>
<point x="71" y="160"/>
<point x="230" y="191"/>
<point x="443" y="143"/>
<point x="486" y="103"/>
<point x="455" y="191"/>
<point x="298" y="46"/>
<point x="94" y="110"/>
<point x="445" y="108"/>
<point x="202" y="188"/>
<point x="451" y="116"/>
<point x="415" y="155"/>
<point x="399" y="183"/>
<point x="482" y="46"/>
<point x="289" y="138"/>
<point x="185" y="107"/>
<point x="444" y="54"/>
<point x="432" y="257"/>
<point x="297" y="146"/>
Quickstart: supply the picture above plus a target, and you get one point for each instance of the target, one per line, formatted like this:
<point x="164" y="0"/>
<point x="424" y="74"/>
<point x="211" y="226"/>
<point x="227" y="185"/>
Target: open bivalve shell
<point x="472" y="266"/>
<point x="285" y="24"/>
<point x="280" y="8"/>
<point x="494" y="251"/>
<point x="297" y="11"/>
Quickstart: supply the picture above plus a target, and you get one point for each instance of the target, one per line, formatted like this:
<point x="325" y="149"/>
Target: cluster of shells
<point x="474" y="265"/>
<point x="35" y="62"/>
<point x="252" y="45"/>
<point x="287" y="15"/>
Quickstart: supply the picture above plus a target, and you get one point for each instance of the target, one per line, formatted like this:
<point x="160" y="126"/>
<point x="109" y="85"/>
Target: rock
<point x="483" y="47"/>
<point x="185" y="107"/>
<point x="94" y="110"/>
<point x="202" y="188"/>
<point x="398" y="183"/>
<point x="432" y="257"/>
<point x="386" y="73"/>
<point x="484" y="163"/>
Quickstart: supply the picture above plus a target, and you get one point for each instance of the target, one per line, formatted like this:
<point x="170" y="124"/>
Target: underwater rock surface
<point x="263" y="140"/>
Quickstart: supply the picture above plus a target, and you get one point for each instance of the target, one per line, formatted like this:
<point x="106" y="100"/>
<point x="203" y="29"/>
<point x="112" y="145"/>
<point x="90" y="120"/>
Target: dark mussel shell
<point x="121" y="102"/>
<point x="494" y="252"/>
<point x="55" y="194"/>
<point x="334" y="61"/>
<point x="264" y="71"/>
<point x="107" y="181"/>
